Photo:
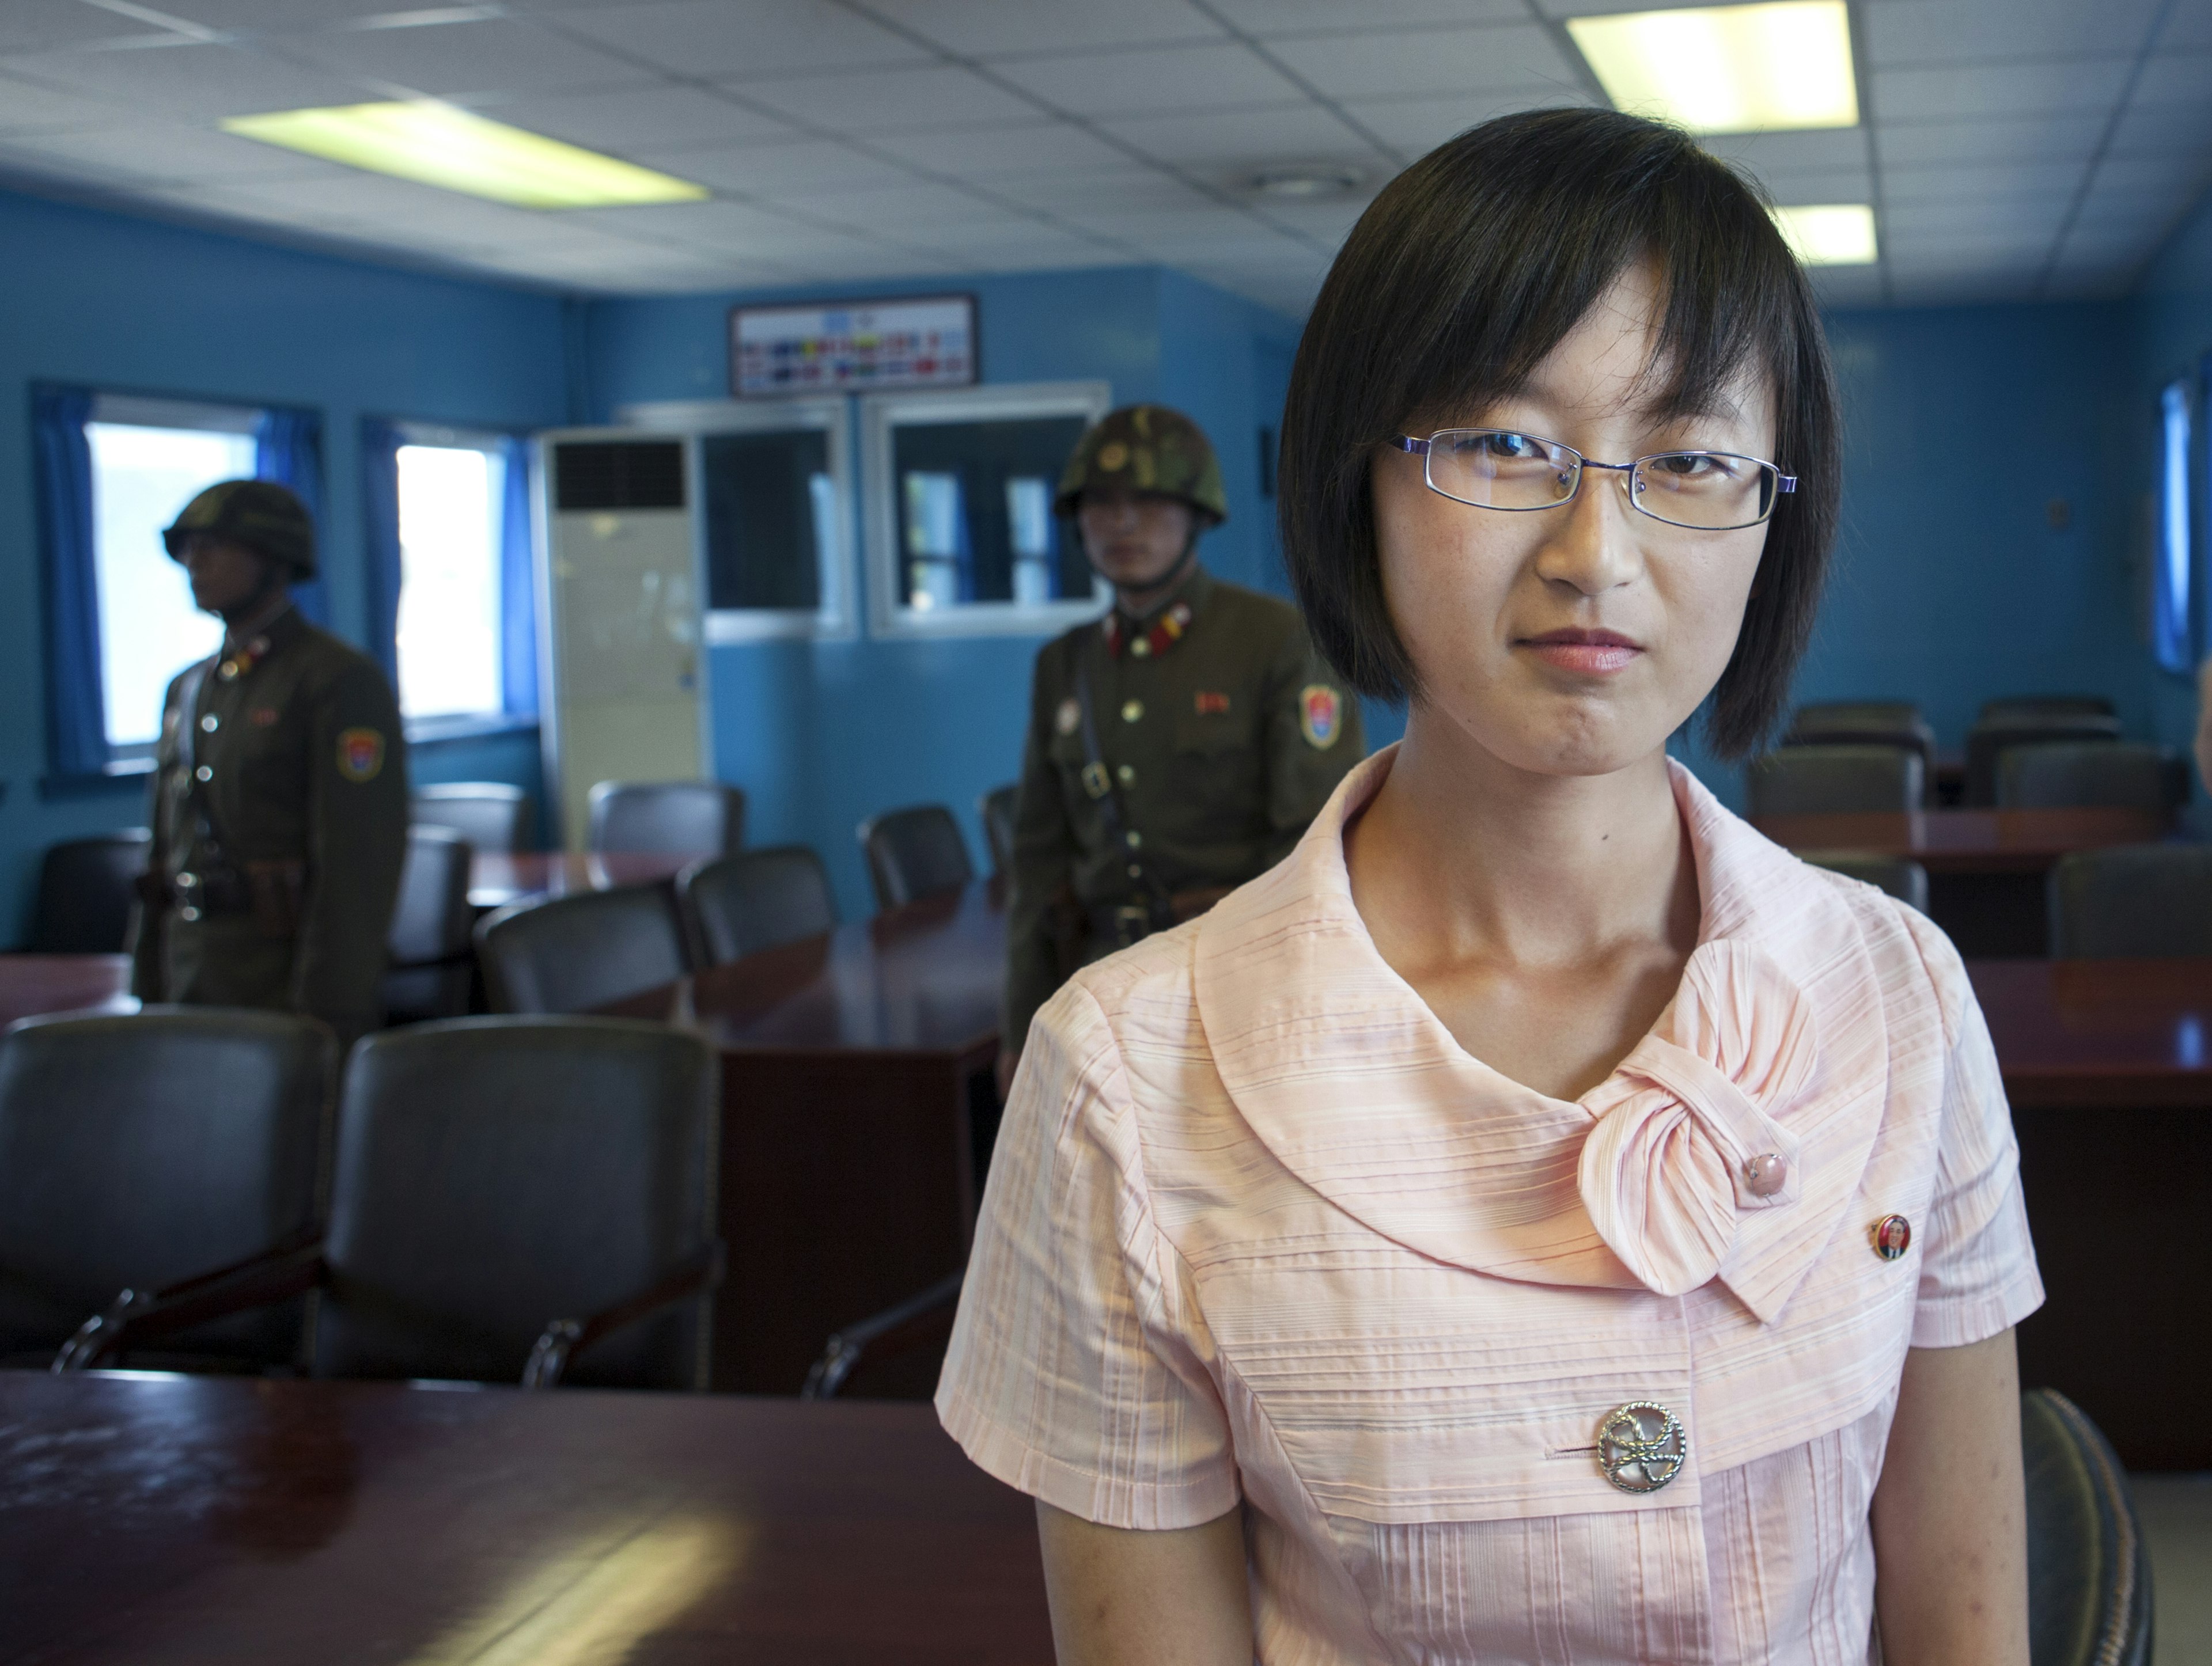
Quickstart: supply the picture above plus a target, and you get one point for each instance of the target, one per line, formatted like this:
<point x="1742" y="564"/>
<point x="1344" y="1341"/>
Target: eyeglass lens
<point x="1493" y="468"/>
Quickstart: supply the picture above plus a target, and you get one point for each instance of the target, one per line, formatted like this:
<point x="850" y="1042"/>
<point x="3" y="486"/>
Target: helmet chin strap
<point x="262" y="605"/>
<point x="1168" y="580"/>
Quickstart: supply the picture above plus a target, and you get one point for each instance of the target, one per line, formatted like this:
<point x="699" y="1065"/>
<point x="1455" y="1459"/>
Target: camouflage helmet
<point x="266" y="517"/>
<point x="1145" y="448"/>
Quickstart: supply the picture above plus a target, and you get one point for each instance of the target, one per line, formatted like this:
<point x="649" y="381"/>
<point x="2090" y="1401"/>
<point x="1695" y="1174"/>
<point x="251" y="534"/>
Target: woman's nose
<point x="1594" y="547"/>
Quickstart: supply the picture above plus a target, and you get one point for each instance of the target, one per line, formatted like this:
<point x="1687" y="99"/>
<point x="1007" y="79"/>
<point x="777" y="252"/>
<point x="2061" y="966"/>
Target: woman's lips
<point x="1593" y="653"/>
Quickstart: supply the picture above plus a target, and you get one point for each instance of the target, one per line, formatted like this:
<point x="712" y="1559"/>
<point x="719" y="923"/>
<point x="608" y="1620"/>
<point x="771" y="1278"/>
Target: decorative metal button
<point x="210" y="724"/>
<point x="1125" y="775"/>
<point x="1134" y="840"/>
<point x="1766" y="1174"/>
<point x="1893" y="1237"/>
<point x="1132" y="710"/>
<point x="1141" y="648"/>
<point x="1641" y="1447"/>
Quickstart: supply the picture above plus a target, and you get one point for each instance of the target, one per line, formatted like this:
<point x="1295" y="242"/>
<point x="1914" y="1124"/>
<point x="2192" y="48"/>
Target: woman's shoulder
<point x="1912" y="956"/>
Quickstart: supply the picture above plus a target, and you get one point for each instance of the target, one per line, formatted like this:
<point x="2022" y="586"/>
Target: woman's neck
<point x="1461" y="856"/>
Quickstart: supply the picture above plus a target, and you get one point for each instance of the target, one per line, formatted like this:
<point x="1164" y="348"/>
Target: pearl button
<point x="1764" y="1175"/>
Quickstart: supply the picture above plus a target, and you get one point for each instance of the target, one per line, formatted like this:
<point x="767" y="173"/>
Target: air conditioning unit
<point x="621" y="647"/>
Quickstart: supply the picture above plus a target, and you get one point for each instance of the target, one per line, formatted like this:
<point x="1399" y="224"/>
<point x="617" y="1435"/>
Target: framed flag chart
<point x="857" y="347"/>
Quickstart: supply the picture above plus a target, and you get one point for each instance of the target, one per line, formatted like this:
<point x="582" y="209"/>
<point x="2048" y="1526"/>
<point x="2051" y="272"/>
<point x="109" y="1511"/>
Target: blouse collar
<point x="1354" y="1085"/>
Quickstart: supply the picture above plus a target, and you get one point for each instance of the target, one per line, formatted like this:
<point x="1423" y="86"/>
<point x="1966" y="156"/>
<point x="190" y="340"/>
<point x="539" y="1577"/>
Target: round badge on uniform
<point x="1893" y="1237"/>
<point x="1069" y="718"/>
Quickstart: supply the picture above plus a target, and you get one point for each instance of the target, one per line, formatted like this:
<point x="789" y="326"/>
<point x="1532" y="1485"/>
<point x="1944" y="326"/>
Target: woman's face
<point x="1573" y="640"/>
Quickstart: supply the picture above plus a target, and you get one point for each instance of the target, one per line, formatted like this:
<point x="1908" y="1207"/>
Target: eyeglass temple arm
<point x="1420" y="448"/>
<point x="1405" y="443"/>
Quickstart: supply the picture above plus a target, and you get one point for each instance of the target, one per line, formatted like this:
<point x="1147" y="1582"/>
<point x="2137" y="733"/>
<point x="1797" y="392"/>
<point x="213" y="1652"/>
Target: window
<point x="450" y="627"/>
<point x="142" y="476"/>
<point x="960" y="492"/>
<point x="2170" y="567"/>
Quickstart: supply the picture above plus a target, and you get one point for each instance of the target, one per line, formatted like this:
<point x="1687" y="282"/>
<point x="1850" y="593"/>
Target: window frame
<point x="883" y="413"/>
<point x="836" y="619"/>
<point x="449" y="725"/>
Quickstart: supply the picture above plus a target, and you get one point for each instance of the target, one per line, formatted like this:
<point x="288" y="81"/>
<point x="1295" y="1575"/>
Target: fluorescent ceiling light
<point x="1727" y="69"/>
<point x="437" y="144"/>
<point x="1829" y="234"/>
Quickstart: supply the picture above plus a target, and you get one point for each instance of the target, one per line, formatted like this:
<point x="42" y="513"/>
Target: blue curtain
<point x="76" y="712"/>
<point x="380" y="497"/>
<point x="2170" y="573"/>
<point x="518" y="586"/>
<point x="287" y="448"/>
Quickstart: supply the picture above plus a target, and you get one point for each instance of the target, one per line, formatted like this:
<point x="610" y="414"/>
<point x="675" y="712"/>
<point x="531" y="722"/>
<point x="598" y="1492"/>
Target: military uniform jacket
<point x="303" y="777"/>
<point x="1224" y="733"/>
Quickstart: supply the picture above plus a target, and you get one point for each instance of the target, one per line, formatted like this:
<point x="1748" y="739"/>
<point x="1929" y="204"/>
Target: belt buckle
<point x="1095" y="779"/>
<point x="1133" y="924"/>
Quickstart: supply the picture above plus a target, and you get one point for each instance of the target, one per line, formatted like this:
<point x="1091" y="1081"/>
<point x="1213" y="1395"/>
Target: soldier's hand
<point x="1009" y="1059"/>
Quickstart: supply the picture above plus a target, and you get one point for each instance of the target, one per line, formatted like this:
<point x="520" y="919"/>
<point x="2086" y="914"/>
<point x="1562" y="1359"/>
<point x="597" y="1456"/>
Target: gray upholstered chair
<point x="1865" y="723"/>
<point x="739" y="905"/>
<point x="1987" y="741"/>
<point x="669" y="818"/>
<point x="2088" y="1571"/>
<point x="2028" y="710"/>
<point x="1906" y="881"/>
<point x="571" y="954"/>
<point x="2132" y="901"/>
<point x="914" y="852"/>
<point x="516" y="1200"/>
<point x="138" y="1151"/>
<point x="996" y="807"/>
<point x="1829" y="780"/>
<point x="2056" y="774"/>
<point x="491" y="814"/>
<point x="433" y="962"/>
<point x="86" y="890"/>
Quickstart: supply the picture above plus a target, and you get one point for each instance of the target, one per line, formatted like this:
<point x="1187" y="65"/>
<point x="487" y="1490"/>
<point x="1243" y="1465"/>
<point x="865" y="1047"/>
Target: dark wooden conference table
<point x="160" y="1521"/>
<point x="858" y="1115"/>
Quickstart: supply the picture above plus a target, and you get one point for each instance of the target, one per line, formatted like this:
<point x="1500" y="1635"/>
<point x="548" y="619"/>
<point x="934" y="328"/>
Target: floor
<point x="2177" y="1519"/>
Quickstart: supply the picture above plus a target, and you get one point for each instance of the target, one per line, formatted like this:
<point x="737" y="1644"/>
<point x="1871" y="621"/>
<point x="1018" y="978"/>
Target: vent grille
<point x="619" y="475"/>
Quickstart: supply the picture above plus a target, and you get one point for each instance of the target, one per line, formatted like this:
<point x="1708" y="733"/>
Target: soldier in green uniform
<point x="280" y="793"/>
<point x="1176" y="748"/>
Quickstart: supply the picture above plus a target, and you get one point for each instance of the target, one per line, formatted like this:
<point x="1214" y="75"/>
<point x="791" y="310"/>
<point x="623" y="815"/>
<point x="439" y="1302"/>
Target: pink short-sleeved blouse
<point x="1260" y="1231"/>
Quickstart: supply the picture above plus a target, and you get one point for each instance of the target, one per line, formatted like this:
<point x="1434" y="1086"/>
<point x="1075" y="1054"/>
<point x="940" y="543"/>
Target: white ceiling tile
<point x="993" y="153"/>
<point x="31" y="26"/>
<point x="2162" y="129"/>
<point x="1326" y="223"/>
<point x="1226" y="248"/>
<point x="780" y="168"/>
<point x="169" y="151"/>
<point x="1205" y="76"/>
<point x="2033" y="220"/>
<point x="2188" y="27"/>
<point x="992" y="28"/>
<point x="1788" y="153"/>
<point x="1416" y="126"/>
<point x="1817" y="185"/>
<point x="280" y="16"/>
<point x="718" y="221"/>
<point x="2173" y="178"/>
<point x="642" y="118"/>
<point x="1989" y="139"/>
<point x="197" y="81"/>
<point x="2034" y="86"/>
<point x="2054" y="180"/>
<point x="915" y="202"/>
<point x="1129" y="225"/>
<point x="999" y="244"/>
<point x="1972" y="285"/>
<point x="713" y="39"/>
<point x="25" y="107"/>
<point x="1510" y="56"/>
<point x="2176" y="78"/>
<point x="1295" y="133"/>
<point x="396" y="207"/>
<point x="887" y="100"/>
<point x="1129" y="188"/>
<point x="452" y="59"/>
<point x="1908" y="32"/>
<point x="1847" y="285"/>
<point x="1279" y="17"/>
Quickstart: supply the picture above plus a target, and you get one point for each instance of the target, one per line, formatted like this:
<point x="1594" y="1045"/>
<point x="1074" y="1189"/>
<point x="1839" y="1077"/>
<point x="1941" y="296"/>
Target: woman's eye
<point x="1682" y="468"/>
<point x="1513" y="448"/>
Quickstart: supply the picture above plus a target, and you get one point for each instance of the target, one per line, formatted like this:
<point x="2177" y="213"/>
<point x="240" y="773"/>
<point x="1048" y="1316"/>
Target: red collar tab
<point x="1166" y="631"/>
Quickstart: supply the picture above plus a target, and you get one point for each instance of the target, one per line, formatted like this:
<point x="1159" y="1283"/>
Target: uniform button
<point x="204" y="773"/>
<point x="1135" y="872"/>
<point x="1136" y="841"/>
<point x="185" y="881"/>
<point x="210" y="724"/>
<point x="188" y="913"/>
<point x="1132" y="710"/>
<point x="1125" y="775"/>
<point x="1641" y="1447"/>
<point x="1140" y="649"/>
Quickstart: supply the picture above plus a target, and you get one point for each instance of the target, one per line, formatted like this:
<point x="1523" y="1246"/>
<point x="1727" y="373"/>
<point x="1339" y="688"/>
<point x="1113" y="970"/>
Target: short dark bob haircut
<point x="1465" y="273"/>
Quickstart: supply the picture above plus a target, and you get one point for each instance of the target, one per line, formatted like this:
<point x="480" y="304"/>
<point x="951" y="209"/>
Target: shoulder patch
<point x="1320" y="715"/>
<point x="360" y="754"/>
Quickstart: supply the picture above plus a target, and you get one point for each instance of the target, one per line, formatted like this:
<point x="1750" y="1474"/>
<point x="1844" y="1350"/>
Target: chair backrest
<point x="1858" y="714"/>
<point x="1987" y="741"/>
<point x="496" y="1174"/>
<point x="2088" y="1570"/>
<point x="1906" y="881"/>
<point x="669" y="818"/>
<point x="914" y="852"/>
<point x="2055" y="774"/>
<point x="140" y="1151"/>
<point x="996" y="807"/>
<point x="1828" y="780"/>
<point x="491" y="814"/>
<point x="739" y="905"/>
<point x="2026" y="711"/>
<point x="576" y="952"/>
<point x="2128" y="901"/>
<point x="86" y="888"/>
<point x="431" y="950"/>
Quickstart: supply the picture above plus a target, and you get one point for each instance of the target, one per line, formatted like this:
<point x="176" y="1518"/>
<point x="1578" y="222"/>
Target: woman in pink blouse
<point x="1541" y="1220"/>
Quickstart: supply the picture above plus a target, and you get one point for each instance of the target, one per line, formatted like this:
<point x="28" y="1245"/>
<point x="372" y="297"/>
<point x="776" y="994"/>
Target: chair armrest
<point x="136" y="1316"/>
<point x="563" y="1339"/>
<point x="891" y="1332"/>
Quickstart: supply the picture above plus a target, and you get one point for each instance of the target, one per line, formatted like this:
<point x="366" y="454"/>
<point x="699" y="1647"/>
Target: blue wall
<point x="130" y="305"/>
<point x="821" y="735"/>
